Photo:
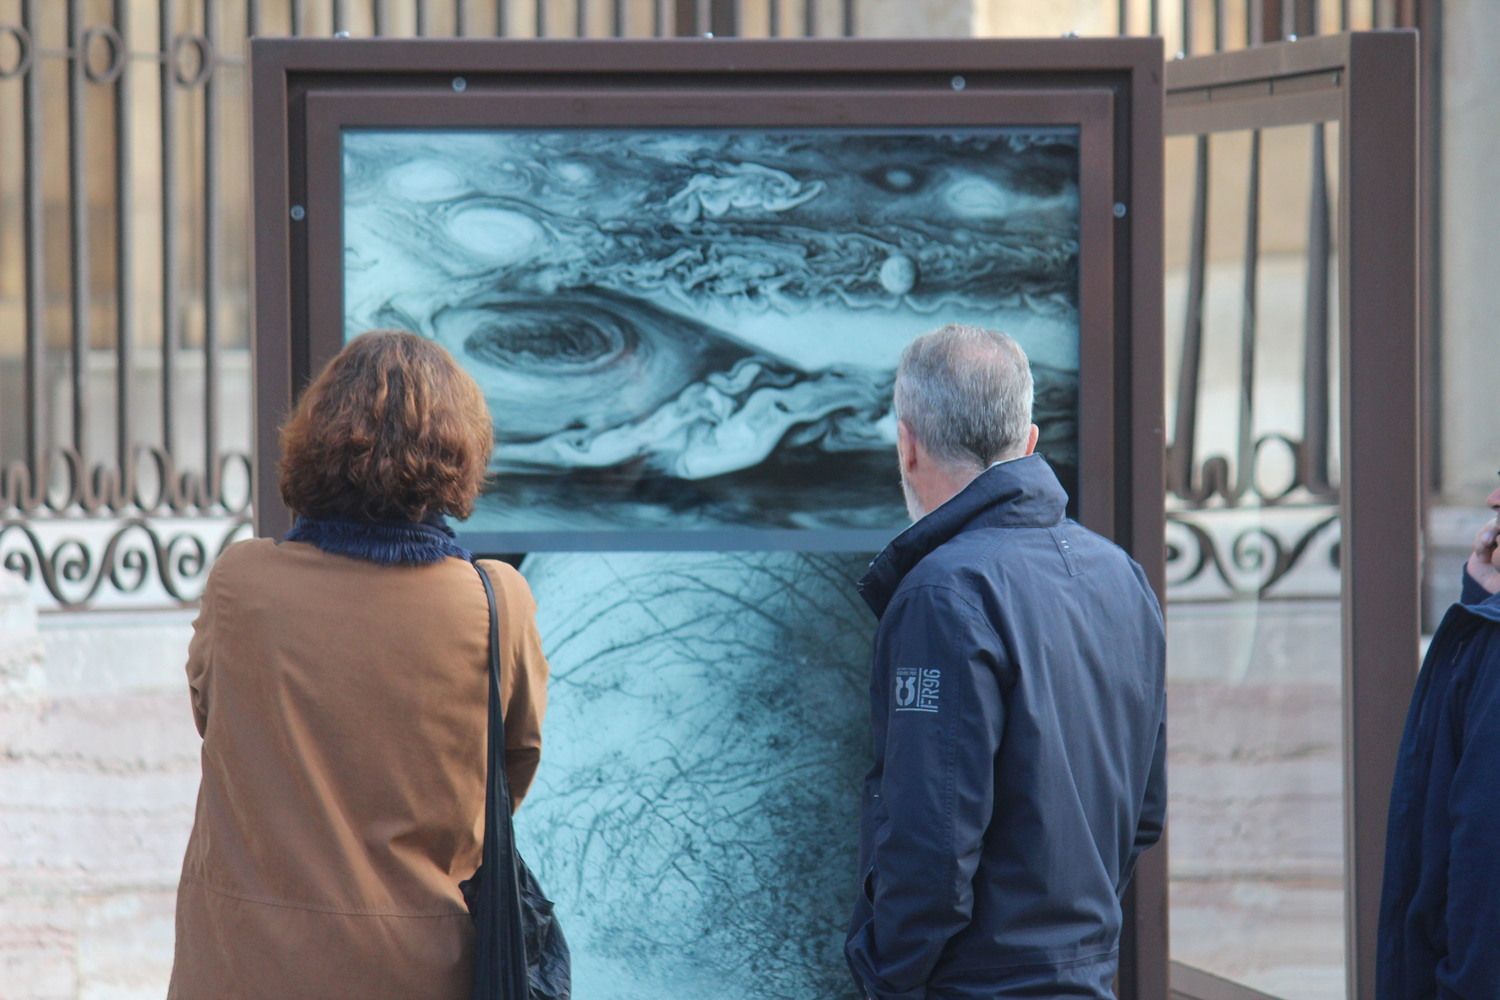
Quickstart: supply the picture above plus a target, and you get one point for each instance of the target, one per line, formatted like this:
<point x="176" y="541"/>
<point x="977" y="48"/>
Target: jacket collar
<point x="387" y="543"/>
<point x="1024" y="493"/>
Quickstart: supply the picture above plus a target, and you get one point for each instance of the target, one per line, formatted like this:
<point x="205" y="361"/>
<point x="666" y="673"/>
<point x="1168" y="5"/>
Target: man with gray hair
<point x="1018" y="706"/>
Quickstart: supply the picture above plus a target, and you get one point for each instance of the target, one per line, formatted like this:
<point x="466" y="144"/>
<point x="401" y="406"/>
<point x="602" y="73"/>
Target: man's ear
<point x="906" y="446"/>
<point x="1031" y="439"/>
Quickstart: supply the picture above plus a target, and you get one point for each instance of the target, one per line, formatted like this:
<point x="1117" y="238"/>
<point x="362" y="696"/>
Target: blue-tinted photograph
<point x="696" y="331"/>
<point x="694" y="817"/>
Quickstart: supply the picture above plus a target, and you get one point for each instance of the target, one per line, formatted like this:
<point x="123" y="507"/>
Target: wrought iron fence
<point x="124" y="272"/>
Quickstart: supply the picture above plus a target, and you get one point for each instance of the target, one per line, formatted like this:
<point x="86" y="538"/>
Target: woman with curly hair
<point x="339" y="682"/>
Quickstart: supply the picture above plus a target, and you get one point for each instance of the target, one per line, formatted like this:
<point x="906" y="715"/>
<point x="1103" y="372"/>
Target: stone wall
<point x="98" y="774"/>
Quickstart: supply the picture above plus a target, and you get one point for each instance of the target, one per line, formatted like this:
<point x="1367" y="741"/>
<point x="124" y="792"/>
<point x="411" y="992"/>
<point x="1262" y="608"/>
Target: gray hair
<point x="966" y="394"/>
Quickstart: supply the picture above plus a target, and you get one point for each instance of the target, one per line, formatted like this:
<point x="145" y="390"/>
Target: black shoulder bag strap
<point x="500" y="968"/>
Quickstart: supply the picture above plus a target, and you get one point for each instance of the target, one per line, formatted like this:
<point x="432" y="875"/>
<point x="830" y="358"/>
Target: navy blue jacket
<point x="1018" y="714"/>
<point x="1440" y="907"/>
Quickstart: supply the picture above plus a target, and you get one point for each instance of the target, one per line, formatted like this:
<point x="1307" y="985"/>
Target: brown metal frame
<point x="1368" y="83"/>
<point x="304" y="91"/>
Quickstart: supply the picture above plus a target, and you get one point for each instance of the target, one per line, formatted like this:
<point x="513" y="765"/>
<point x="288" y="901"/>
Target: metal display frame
<point x="305" y="91"/>
<point x="1367" y="83"/>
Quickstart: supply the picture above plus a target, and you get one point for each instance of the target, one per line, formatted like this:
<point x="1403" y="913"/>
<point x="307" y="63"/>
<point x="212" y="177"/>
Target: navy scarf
<point x="388" y="543"/>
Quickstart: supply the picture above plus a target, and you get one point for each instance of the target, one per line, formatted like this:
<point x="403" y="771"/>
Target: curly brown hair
<point x="391" y="430"/>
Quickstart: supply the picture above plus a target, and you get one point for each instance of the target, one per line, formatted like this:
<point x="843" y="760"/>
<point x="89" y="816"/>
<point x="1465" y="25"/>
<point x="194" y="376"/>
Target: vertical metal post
<point x="1244" y="479"/>
<point x="32" y="222"/>
<point x="501" y="19"/>
<point x="125" y="251"/>
<point x="169" y="317"/>
<point x="619" y="18"/>
<point x="581" y="19"/>
<point x="659" y="17"/>
<point x="421" y="18"/>
<point x="1379" y="351"/>
<point x="1315" y="472"/>
<point x="810" y="18"/>
<point x="211" y="256"/>
<point x="298" y="16"/>
<point x="541" y="18"/>
<point x="1185" y="429"/>
<point x="382" y="17"/>
<point x="78" y="229"/>
<point x="773" y="18"/>
<point x="252" y="18"/>
<point x="461" y="18"/>
<point x="1218" y="25"/>
<point x="1122" y="17"/>
<point x="849" y="25"/>
<point x="1187" y="27"/>
<point x="341" y="15"/>
<point x="1155" y="17"/>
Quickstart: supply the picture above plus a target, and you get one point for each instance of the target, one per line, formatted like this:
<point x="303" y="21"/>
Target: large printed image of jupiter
<point x="697" y="330"/>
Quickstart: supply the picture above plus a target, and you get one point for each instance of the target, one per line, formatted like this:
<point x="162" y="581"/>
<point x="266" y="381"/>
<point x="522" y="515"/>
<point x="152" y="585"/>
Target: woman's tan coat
<point x="342" y="707"/>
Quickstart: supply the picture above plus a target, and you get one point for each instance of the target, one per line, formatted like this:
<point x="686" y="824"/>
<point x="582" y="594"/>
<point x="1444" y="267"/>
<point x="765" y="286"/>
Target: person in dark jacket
<point x="1440" y="906"/>
<point x="1018" y="707"/>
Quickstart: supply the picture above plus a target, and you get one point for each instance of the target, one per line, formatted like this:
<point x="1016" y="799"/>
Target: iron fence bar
<point x="252" y="18"/>
<point x="1187" y="28"/>
<point x="501" y="19"/>
<point x="541" y="18"/>
<point x="125" y="249"/>
<point x="381" y="17"/>
<point x="1245" y="446"/>
<point x="619" y="18"/>
<point x="32" y="219"/>
<point x="1344" y="14"/>
<point x="210" y="258"/>
<point x="169" y="319"/>
<point x="1315" y="473"/>
<point x="1122" y="17"/>
<point x="78" y="227"/>
<point x="810" y="18"/>
<point x="849" y="24"/>
<point x="461" y="18"/>
<point x="659" y="17"/>
<point x="581" y="18"/>
<point x="298" y="16"/>
<point x="421" y="25"/>
<point x="1185" y="429"/>
<point x="773" y="18"/>
<point x="1155" y="15"/>
<point x="341" y="15"/>
<point x="1218" y="25"/>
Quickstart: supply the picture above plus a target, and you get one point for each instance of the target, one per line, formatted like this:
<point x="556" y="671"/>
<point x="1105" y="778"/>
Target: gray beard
<point x="913" y="507"/>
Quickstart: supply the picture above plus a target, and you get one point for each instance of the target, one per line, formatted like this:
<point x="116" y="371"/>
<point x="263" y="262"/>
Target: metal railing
<point x="124" y="273"/>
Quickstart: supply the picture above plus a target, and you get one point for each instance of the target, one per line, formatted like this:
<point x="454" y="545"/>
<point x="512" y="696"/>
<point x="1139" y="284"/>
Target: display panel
<point x="695" y="810"/>
<point x="694" y="331"/>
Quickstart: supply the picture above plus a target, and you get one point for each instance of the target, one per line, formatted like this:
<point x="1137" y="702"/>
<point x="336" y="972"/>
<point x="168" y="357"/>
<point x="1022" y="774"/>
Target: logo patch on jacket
<point x="917" y="690"/>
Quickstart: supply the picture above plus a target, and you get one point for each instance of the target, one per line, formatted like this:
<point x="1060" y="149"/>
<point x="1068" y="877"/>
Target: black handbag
<point x="519" y="949"/>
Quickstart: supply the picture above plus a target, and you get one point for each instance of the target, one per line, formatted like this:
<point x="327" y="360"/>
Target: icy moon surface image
<point x="698" y="330"/>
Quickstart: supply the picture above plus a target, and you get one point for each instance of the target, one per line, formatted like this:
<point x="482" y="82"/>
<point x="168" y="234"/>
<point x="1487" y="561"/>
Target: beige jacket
<point x="342" y="706"/>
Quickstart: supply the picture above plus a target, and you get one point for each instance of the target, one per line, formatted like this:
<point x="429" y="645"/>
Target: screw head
<point x="298" y="213"/>
<point x="460" y="85"/>
<point x="1120" y="210"/>
<point x="958" y="83"/>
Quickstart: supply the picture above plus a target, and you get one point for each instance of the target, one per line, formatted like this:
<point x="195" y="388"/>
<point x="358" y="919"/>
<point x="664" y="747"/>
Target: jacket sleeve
<point x="1153" y="808"/>
<point x="939" y="663"/>
<point x="1471" y="968"/>
<point x="198" y="658"/>
<point x="524" y="673"/>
